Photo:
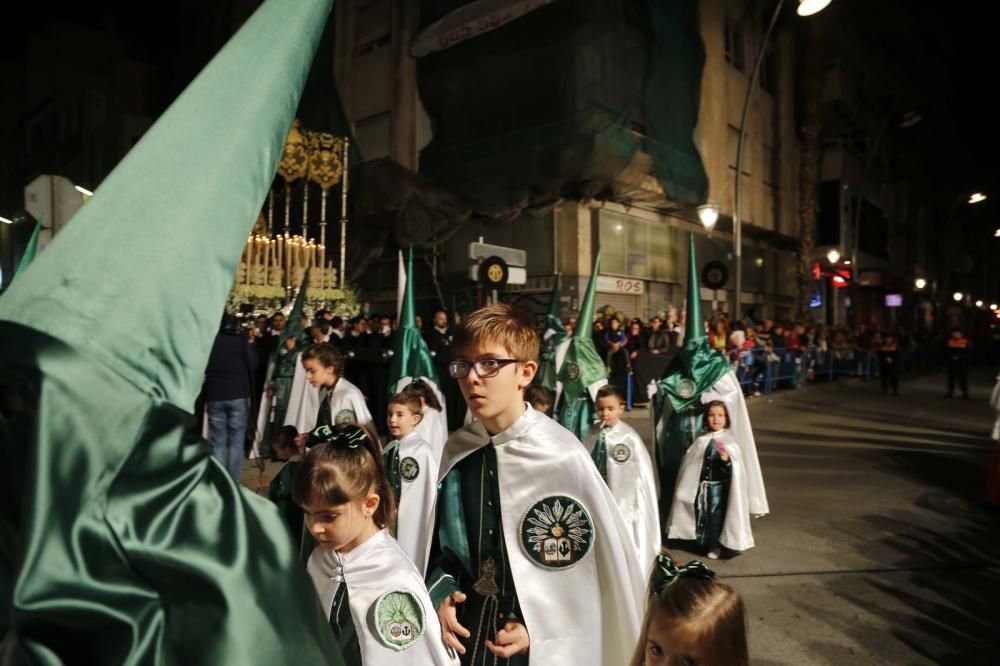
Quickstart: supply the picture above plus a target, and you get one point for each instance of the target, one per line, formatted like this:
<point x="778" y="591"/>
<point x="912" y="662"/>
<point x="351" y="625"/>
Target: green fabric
<point x="411" y="357"/>
<point x="712" y="500"/>
<point x="284" y="369"/>
<point x="556" y="333"/>
<point x="124" y="540"/>
<point x="583" y="365"/>
<point x="343" y="627"/>
<point x="694" y="326"/>
<point x="451" y="533"/>
<point x="675" y="432"/>
<point x="29" y="252"/>
<point x="280" y="493"/>
<point x="390" y="460"/>
<point x="600" y="454"/>
<point x="577" y="416"/>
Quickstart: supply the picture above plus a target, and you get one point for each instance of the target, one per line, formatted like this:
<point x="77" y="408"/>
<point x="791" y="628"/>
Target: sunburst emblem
<point x="557" y="532"/>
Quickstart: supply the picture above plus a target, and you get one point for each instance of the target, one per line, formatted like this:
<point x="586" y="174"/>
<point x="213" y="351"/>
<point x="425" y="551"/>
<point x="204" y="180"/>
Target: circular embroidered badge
<point x="620" y="453"/>
<point x="399" y="619"/>
<point x="572" y="370"/>
<point x="345" y="416"/>
<point x="409" y="468"/>
<point x="686" y="388"/>
<point x="557" y="532"/>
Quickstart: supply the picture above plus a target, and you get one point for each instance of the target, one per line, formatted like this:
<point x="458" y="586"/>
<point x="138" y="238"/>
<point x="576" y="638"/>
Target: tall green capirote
<point x="122" y="539"/>
<point x="677" y="409"/>
<point x="283" y="361"/>
<point x="554" y="334"/>
<point x="410" y="355"/>
<point x="582" y="367"/>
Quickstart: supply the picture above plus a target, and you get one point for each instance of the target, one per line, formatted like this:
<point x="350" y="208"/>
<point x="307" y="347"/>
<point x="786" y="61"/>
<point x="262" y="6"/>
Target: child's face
<point x="716" y="418"/>
<point x="492" y="397"/>
<point x="338" y="527"/>
<point x="667" y="644"/>
<point x="609" y="410"/>
<point x="318" y="374"/>
<point x="401" y="420"/>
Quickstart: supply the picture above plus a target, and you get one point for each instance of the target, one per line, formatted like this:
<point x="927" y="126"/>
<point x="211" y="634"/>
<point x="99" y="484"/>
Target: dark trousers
<point x="957" y="373"/>
<point x="890" y="378"/>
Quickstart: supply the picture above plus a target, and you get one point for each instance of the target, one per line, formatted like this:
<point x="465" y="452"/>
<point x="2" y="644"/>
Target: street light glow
<point x="977" y="197"/>
<point x="810" y="7"/>
<point x="979" y="304"/>
<point x="5" y="220"/>
<point x="84" y="191"/>
<point x="993" y="306"/>
<point x="957" y="295"/>
<point x="708" y="214"/>
<point x="833" y="256"/>
<point x="920" y="282"/>
<point x="996" y="234"/>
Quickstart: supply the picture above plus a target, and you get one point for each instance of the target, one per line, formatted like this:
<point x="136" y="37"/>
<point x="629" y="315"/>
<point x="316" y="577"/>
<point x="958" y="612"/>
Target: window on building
<point x="639" y="248"/>
<point x="735" y="44"/>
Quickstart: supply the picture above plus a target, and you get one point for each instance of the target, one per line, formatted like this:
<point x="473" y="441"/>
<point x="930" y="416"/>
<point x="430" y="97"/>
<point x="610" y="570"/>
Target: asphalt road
<point x="879" y="548"/>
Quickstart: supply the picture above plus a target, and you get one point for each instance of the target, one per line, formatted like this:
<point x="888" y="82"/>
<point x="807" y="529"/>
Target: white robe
<point x="633" y="484"/>
<point x="417" y="499"/>
<point x="303" y="404"/>
<point x="433" y="427"/>
<point x="589" y="613"/>
<point x="375" y="568"/>
<point x="728" y="390"/>
<point x="263" y="413"/>
<point x="736" y="533"/>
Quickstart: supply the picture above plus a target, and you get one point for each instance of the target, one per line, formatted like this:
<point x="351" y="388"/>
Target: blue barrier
<point x="761" y="372"/>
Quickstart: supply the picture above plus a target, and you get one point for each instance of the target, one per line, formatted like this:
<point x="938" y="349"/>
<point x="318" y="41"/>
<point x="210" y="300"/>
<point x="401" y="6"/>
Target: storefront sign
<point x="617" y="285"/>
<point x="471" y="20"/>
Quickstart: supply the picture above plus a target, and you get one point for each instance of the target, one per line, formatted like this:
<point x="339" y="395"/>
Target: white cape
<point x="303" y="402"/>
<point x="736" y="532"/>
<point x="433" y="427"/>
<point x="589" y="613"/>
<point x="375" y="568"/>
<point x="417" y="499"/>
<point x="633" y="484"/>
<point x="728" y="390"/>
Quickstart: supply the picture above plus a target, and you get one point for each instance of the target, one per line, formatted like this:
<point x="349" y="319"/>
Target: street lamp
<point x="977" y="197"/>
<point x="996" y="234"/>
<point x="5" y="220"/>
<point x="979" y="304"/>
<point x="805" y="8"/>
<point x="957" y="296"/>
<point x="833" y="256"/>
<point x="708" y="214"/>
<point x="920" y="283"/>
<point x="810" y="7"/>
<point x="993" y="306"/>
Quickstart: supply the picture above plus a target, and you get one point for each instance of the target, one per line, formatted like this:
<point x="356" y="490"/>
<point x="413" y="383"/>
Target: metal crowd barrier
<point x="764" y="372"/>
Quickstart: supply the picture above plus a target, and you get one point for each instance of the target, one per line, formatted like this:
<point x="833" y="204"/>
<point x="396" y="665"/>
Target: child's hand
<point x="511" y="640"/>
<point x="723" y="454"/>
<point x="450" y="624"/>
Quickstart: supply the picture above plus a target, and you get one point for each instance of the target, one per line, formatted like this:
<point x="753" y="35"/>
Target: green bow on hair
<point x="667" y="573"/>
<point x="346" y="439"/>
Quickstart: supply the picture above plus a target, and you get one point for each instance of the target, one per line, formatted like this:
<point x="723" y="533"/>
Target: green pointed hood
<point x="552" y="321"/>
<point x="582" y="366"/>
<point x="696" y="367"/>
<point x="694" y="327"/>
<point x="29" y="252"/>
<point x="117" y="519"/>
<point x="166" y="228"/>
<point x="293" y="329"/>
<point x="411" y="357"/>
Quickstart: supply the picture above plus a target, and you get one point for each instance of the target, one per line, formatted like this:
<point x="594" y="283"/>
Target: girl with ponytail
<point x="369" y="588"/>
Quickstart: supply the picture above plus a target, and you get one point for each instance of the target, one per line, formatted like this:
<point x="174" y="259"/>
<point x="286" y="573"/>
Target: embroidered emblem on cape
<point x="557" y="532"/>
<point x="345" y="416"/>
<point x="686" y="388"/>
<point x="409" y="468"/>
<point x="399" y="619"/>
<point x="572" y="371"/>
<point x="620" y="453"/>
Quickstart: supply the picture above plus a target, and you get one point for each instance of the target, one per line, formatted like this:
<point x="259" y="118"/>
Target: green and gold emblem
<point x="572" y="370"/>
<point x="557" y="532"/>
<point x="345" y="416"/>
<point x="399" y="619"/>
<point x="409" y="468"/>
<point x="620" y="453"/>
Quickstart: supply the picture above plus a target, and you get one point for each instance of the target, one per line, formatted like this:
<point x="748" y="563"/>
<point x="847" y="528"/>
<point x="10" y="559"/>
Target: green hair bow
<point x="666" y="573"/>
<point x="348" y="439"/>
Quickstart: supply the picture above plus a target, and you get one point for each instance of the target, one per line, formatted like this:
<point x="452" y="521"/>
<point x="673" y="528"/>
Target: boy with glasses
<point x="530" y="551"/>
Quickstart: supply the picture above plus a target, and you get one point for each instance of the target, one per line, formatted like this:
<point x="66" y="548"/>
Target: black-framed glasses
<point x="485" y="368"/>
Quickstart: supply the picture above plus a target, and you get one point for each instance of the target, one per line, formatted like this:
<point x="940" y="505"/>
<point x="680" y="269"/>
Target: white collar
<point x="361" y="551"/>
<point x="518" y="428"/>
